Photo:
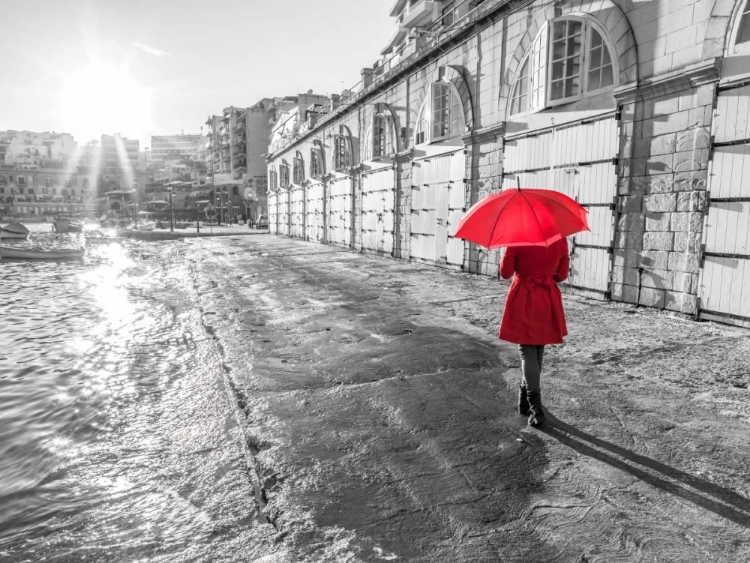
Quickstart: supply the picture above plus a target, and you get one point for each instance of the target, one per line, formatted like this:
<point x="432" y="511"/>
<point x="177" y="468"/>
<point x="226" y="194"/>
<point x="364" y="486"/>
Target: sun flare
<point x="103" y="99"/>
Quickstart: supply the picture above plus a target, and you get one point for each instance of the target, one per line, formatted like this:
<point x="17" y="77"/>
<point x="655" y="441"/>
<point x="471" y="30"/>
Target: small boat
<point x="41" y="253"/>
<point x="67" y="226"/>
<point x="14" y="231"/>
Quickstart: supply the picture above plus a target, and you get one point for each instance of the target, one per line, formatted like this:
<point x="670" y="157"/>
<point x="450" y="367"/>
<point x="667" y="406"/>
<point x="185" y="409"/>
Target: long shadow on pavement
<point x="721" y="501"/>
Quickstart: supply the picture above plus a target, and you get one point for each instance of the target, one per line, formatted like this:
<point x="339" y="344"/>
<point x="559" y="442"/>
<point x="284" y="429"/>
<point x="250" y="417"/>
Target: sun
<point x="103" y="99"/>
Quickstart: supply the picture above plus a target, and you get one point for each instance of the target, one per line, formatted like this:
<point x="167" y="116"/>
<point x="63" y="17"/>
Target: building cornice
<point x="705" y="72"/>
<point x="485" y="134"/>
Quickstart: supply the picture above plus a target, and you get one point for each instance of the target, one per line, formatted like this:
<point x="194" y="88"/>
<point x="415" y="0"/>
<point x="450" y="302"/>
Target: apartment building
<point x="636" y="109"/>
<point x="175" y="147"/>
<point x="238" y="141"/>
<point x="43" y="174"/>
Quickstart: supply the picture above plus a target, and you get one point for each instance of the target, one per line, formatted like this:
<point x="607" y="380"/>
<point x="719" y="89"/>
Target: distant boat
<point x="41" y="254"/>
<point x="141" y="227"/>
<point x="15" y="231"/>
<point x="67" y="226"/>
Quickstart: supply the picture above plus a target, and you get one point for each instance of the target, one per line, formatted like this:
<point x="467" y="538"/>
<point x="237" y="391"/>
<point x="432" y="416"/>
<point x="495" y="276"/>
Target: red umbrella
<point x="522" y="217"/>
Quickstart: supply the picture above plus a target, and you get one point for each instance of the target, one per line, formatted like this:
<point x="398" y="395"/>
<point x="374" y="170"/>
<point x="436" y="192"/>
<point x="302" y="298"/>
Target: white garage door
<point x="297" y="206"/>
<point x="438" y="202"/>
<point x="340" y="211"/>
<point x="283" y="211"/>
<point x="273" y="215"/>
<point x="724" y="288"/>
<point x="314" y="212"/>
<point x="378" y="203"/>
<point x="578" y="159"/>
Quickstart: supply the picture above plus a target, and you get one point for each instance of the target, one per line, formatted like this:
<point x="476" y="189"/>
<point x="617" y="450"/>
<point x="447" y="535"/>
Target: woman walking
<point x="533" y="316"/>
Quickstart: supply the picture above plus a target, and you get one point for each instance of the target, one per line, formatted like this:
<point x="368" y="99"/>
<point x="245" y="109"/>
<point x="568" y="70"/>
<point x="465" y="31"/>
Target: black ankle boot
<point x="523" y="401"/>
<point x="536" y="412"/>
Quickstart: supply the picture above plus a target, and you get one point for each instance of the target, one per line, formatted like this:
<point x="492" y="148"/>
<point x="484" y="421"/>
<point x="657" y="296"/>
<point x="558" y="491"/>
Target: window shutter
<point x="539" y="58"/>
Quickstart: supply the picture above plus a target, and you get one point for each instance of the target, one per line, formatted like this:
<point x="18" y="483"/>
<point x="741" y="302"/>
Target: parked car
<point x="262" y="222"/>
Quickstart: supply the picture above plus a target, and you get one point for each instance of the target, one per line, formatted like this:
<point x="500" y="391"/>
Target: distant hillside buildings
<point x="44" y="173"/>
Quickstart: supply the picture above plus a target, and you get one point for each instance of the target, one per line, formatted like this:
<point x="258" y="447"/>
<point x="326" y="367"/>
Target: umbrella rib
<point x="497" y="220"/>
<point x="570" y="211"/>
<point x="541" y="230"/>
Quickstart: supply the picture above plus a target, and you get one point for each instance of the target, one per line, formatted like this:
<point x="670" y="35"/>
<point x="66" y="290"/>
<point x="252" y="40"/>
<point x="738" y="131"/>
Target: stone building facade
<point x="636" y="109"/>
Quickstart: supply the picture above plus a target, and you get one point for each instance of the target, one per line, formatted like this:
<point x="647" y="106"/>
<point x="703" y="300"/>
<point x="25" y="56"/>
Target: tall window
<point x="272" y="180"/>
<point x="342" y="155"/>
<point x="565" y="59"/>
<point x="316" y="164"/>
<point x="442" y="115"/>
<point x="568" y="60"/>
<point x="447" y="13"/>
<point x="600" y="64"/>
<point x="539" y="69"/>
<point x="379" y="136"/>
<point x="520" y="99"/>
<point x="298" y="169"/>
<point x="446" y="111"/>
<point x="284" y="174"/>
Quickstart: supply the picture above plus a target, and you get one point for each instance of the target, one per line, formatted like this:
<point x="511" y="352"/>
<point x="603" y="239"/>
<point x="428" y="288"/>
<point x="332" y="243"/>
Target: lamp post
<point x="171" y="208"/>
<point x="218" y="208"/>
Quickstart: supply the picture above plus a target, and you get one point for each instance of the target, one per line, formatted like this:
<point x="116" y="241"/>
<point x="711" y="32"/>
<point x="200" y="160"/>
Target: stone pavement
<point x="380" y="416"/>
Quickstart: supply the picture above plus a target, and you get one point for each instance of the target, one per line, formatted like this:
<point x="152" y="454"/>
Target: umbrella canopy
<point x="522" y="217"/>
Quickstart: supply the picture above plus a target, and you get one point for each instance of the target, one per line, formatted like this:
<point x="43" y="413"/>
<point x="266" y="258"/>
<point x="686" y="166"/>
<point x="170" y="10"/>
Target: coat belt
<point x="542" y="282"/>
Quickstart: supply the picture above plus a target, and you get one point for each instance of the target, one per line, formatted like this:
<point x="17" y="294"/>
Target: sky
<point x="161" y="67"/>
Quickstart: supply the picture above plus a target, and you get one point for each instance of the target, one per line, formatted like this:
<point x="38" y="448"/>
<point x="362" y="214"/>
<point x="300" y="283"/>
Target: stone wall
<point x="662" y="199"/>
<point x="666" y="51"/>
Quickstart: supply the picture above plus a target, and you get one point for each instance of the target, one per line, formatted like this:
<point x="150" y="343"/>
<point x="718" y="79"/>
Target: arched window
<point x="380" y="143"/>
<point x="441" y="116"/>
<point x="298" y="169"/>
<point x="284" y="174"/>
<point x="741" y="33"/>
<point x="342" y="153"/>
<point x="569" y="59"/>
<point x="272" y="180"/>
<point x="316" y="161"/>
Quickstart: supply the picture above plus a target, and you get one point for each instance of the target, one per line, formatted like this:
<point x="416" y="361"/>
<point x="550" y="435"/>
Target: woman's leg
<point x="532" y="358"/>
<point x="540" y="358"/>
<point x="530" y="367"/>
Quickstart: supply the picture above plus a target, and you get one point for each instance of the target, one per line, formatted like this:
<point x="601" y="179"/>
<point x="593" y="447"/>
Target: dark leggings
<point x="531" y="365"/>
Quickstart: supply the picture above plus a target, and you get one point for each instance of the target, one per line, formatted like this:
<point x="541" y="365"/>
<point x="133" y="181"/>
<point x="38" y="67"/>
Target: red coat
<point x="533" y="309"/>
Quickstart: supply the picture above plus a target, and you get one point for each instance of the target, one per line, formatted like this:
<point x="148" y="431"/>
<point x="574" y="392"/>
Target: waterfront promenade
<point x="379" y="421"/>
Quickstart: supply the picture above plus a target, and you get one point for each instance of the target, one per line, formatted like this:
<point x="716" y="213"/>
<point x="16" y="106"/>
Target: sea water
<point x="113" y="422"/>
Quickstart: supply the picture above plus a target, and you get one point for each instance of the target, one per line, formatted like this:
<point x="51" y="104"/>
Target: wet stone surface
<point x="379" y="410"/>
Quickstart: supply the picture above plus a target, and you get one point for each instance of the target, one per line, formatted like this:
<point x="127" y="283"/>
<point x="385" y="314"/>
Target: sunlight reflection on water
<point x="95" y="455"/>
